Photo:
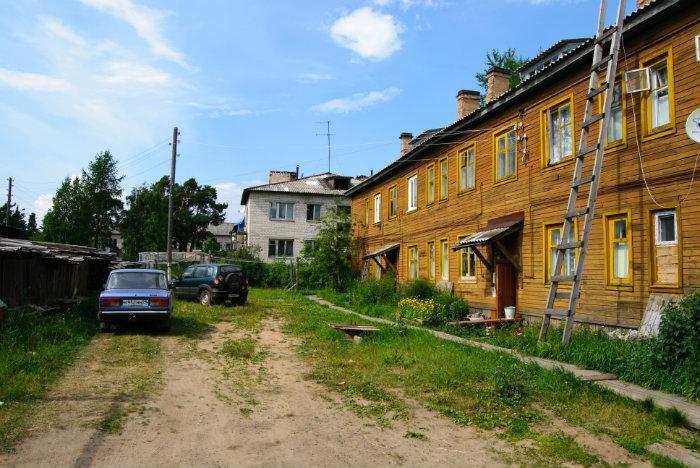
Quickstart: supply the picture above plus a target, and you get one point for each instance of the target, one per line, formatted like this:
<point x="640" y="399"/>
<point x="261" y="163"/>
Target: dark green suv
<point x="212" y="283"/>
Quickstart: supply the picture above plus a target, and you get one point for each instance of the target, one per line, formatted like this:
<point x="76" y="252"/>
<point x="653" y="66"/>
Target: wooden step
<point x="601" y="62"/>
<point x="556" y="312"/>
<point x="570" y="245"/>
<point x="593" y="119"/>
<point x="563" y="295"/>
<point x="582" y="181"/>
<point x="576" y="213"/>
<point x="588" y="149"/>
<point x="560" y="278"/>
<point x="604" y="36"/>
<point x="596" y="91"/>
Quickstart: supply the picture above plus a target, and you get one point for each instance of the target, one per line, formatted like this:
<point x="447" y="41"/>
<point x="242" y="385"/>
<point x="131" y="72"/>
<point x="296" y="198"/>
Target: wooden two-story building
<point x="479" y="204"/>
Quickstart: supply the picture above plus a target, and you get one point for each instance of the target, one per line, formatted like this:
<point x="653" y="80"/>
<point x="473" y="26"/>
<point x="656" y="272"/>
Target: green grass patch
<point x="490" y="390"/>
<point x="242" y="348"/>
<point x="559" y="447"/>
<point x="34" y="352"/>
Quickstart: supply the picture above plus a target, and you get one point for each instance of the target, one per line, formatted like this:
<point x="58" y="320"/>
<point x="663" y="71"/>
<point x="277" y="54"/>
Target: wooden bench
<point x="354" y="332"/>
<point x="499" y="322"/>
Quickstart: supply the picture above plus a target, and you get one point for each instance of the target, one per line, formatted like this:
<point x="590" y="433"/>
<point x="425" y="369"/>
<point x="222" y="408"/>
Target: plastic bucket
<point x="510" y="312"/>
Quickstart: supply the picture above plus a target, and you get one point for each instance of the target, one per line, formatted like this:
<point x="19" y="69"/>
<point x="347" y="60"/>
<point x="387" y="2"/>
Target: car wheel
<point x="205" y="298"/>
<point x="104" y="326"/>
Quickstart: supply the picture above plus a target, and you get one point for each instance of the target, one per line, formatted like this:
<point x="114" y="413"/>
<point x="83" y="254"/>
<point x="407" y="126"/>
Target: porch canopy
<point x="381" y="251"/>
<point x="495" y="229"/>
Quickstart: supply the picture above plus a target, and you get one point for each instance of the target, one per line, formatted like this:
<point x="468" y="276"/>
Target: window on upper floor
<point x="616" y="122"/>
<point x="280" y="211"/>
<point x="467" y="160"/>
<point x="558" y="135"/>
<point x="430" y="183"/>
<point x="657" y="103"/>
<point x="313" y="212"/>
<point x="504" y="154"/>
<point x="377" y="208"/>
<point x="412" y="195"/>
<point x="444" y="180"/>
<point x="393" y="201"/>
<point x="366" y="211"/>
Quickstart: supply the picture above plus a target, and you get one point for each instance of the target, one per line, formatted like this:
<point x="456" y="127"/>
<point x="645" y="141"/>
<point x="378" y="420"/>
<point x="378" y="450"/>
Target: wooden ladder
<point x="603" y="36"/>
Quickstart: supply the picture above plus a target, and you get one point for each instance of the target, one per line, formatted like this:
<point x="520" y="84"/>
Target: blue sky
<point x="247" y="82"/>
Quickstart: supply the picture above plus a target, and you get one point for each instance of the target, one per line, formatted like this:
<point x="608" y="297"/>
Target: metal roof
<point x="382" y="250"/>
<point x="637" y="21"/>
<point x="67" y="252"/>
<point x="495" y="229"/>
<point x="318" y="184"/>
<point x="222" y="229"/>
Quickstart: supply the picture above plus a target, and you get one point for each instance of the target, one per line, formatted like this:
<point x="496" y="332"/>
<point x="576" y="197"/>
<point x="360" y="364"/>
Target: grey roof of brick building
<point x="321" y="184"/>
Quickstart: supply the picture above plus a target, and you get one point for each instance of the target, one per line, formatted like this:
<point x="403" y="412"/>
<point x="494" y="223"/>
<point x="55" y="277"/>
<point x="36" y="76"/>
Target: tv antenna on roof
<point x="328" y="135"/>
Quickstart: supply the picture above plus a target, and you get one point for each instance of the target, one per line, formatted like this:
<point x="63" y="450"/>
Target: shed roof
<point x="67" y="252"/>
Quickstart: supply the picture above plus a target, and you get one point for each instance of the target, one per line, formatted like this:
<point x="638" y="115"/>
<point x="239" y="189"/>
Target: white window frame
<point x="377" y="208"/>
<point x="658" y="227"/>
<point x="412" y="188"/>
<point x="289" y="209"/>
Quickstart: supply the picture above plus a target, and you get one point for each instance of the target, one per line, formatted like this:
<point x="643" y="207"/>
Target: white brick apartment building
<point x="281" y="216"/>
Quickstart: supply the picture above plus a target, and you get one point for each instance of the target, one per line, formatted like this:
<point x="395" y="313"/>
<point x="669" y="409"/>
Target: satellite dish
<point x="692" y="126"/>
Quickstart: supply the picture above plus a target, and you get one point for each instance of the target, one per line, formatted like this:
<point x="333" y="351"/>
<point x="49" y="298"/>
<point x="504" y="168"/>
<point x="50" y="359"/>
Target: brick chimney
<point x="282" y="176"/>
<point x="405" y="142"/>
<point x="497" y="82"/>
<point x="467" y="102"/>
<point x="642" y="3"/>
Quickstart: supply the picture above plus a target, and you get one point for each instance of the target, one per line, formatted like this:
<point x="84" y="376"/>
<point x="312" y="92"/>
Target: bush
<point x="679" y="332"/>
<point x="455" y="308"/>
<point x="276" y="275"/>
<point x="372" y="291"/>
<point x="420" y="289"/>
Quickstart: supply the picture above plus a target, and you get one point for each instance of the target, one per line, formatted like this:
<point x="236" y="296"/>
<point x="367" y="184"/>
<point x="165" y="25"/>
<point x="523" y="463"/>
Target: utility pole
<point x="328" y="135"/>
<point x="9" y="202"/>
<point x="170" y="203"/>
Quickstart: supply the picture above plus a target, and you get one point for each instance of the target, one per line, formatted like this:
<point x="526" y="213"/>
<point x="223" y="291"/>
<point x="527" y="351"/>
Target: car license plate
<point x="135" y="302"/>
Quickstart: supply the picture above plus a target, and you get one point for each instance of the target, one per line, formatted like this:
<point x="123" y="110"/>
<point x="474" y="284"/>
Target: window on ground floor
<point x="280" y="248"/>
<point x="413" y="262"/>
<point x="552" y="238"/>
<point x="665" y="252"/>
<point x="444" y="260"/>
<point x="618" y="249"/>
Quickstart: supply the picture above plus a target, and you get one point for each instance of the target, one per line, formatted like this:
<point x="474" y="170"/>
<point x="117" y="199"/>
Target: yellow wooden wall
<point x="541" y="193"/>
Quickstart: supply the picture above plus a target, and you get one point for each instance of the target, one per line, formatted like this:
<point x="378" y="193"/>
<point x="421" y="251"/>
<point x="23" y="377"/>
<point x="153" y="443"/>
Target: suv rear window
<point x="229" y="269"/>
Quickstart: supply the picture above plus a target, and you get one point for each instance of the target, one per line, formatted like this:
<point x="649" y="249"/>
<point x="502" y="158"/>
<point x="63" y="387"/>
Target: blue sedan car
<point x="133" y="295"/>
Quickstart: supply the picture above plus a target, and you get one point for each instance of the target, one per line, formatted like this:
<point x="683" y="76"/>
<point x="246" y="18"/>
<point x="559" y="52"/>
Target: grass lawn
<point x="474" y="387"/>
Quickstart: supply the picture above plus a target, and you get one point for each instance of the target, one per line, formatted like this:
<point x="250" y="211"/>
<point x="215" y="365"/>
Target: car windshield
<point x="137" y="280"/>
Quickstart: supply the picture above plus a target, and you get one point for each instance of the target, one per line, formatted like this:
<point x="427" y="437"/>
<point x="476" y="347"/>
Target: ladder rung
<point x="596" y="91"/>
<point x="575" y="213"/>
<point x="563" y="295"/>
<point x="593" y="119"/>
<point x="583" y="180"/>
<point x="560" y="278"/>
<point x="602" y="37"/>
<point x="556" y="312"/>
<point x="570" y="245"/>
<point x="588" y="149"/>
<point x="602" y="62"/>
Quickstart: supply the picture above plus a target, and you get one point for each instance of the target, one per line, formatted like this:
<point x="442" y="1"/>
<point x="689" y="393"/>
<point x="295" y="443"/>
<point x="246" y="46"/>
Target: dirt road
<point x="179" y="402"/>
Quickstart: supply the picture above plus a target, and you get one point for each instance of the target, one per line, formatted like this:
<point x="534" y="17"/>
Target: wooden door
<point x="505" y="287"/>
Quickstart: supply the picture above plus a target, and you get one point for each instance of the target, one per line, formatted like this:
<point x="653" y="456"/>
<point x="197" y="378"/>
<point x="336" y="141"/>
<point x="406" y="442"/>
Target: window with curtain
<point x="616" y="122"/>
<point x="444" y="260"/>
<point x="393" y="201"/>
<point x="413" y="263"/>
<point x="377" y="207"/>
<point x="505" y="154"/>
<point x="559" y="134"/>
<point x="443" y="179"/>
<point x="412" y="187"/>
<point x="467" y="169"/>
<point x="553" y="234"/>
<point x="618" y="249"/>
<point x="659" y="96"/>
<point x="431" y="260"/>
<point x="430" y="183"/>
<point x="281" y="211"/>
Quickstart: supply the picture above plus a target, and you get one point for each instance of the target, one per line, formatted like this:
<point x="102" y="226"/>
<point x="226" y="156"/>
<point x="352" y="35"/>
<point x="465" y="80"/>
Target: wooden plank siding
<point x="541" y="192"/>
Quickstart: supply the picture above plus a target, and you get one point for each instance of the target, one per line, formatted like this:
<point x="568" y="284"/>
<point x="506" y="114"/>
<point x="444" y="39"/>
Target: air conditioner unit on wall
<point x="637" y="80"/>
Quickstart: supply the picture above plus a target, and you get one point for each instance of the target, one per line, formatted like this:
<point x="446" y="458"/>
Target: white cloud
<point x="148" y="23"/>
<point x="369" y="33"/>
<point x="357" y="101"/>
<point x="230" y="192"/>
<point x="313" y="77"/>
<point x="59" y="30"/>
<point x="136" y="73"/>
<point x="32" y="81"/>
<point x="42" y="204"/>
